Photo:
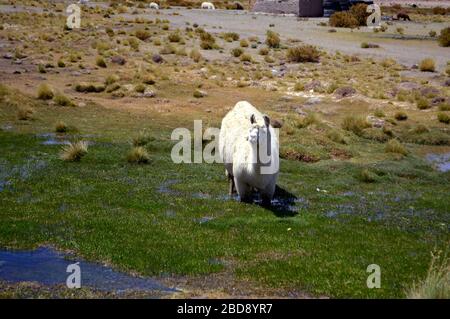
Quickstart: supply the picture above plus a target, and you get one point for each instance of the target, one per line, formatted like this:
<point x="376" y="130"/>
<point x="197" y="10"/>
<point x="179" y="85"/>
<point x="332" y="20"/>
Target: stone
<point x="149" y="93"/>
<point x="7" y="56"/>
<point x="117" y="59"/>
<point x="345" y="91"/>
<point x="313" y="85"/>
<point x="157" y="58"/>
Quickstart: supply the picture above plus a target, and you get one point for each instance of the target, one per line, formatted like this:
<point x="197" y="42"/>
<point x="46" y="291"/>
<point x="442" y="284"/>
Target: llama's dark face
<point x="259" y="129"/>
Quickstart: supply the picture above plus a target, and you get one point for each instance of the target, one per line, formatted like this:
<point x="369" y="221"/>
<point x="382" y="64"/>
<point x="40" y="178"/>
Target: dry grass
<point x="25" y="113"/>
<point x="436" y="284"/>
<point x="394" y="146"/>
<point x="272" y="39"/>
<point x="355" y="124"/>
<point x="74" y="151"/>
<point x="44" y="92"/>
<point x="305" y="53"/>
<point x="427" y="65"/>
<point x="138" y="155"/>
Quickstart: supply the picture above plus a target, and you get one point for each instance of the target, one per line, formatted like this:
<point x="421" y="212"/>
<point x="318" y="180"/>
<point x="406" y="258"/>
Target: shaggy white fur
<point x="245" y="136"/>
<point x="154" y="5"/>
<point x="208" y="5"/>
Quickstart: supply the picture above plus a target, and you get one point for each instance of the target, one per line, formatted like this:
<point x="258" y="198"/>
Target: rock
<point x="438" y="100"/>
<point x="149" y="93"/>
<point x="17" y="62"/>
<point x="200" y="94"/>
<point x="117" y="59"/>
<point x="286" y="98"/>
<point x="408" y="86"/>
<point x="345" y="91"/>
<point x="276" y="123"/>
<point x="313" y="100"/>
<point x="157" y="58"/>
<point x="375" y="121"/>
<point x="7" y="56"/>
<point x="17" y="72"/>
<point x="313" y="85"/>
<point x="81" y="104"/>
<point x="447" y="82"/>
<point x="429" y="90"/>
<point x="414" y="67"/>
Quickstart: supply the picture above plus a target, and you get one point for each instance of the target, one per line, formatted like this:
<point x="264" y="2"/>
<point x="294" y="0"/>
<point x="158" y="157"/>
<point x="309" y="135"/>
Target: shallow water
<point x="440" y="161"/>
<point x="48" y="267"/>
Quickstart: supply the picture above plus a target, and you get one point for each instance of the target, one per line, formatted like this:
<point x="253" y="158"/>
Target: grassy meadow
<point x="355" y="187"/>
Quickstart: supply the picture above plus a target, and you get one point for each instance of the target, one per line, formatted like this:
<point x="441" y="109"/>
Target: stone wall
<point x="276" y="6"/>
<point x="302" y="8"/>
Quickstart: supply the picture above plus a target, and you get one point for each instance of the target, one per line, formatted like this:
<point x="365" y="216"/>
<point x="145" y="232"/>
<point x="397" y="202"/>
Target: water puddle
<point x="48" y="267"/>
<point x="440" y="161"/>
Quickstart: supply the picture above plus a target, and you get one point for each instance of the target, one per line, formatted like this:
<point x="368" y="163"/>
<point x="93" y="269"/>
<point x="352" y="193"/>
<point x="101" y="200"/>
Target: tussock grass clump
<point x="231" y="36"/>
<point x="272" y="39"/>
<point x="355" y="124"/>
<point x="444" y="107"/>
<point x="401" y="116"/>
<point x="337" y="137"/>
<point x="443" y="118"/>
<point x="359" y="11"/>
<point x="420" y="129"/>
<point x="61" y="127"/>
<point x="113" y="78"/>
<point x="309" y="119"/>
<point x="142" y="34"/>
<point x="44" y="92"/>
<point x="263" y="51"/>
<point x="436" y="284"/>
<point x="394" y="146"/>
<point x="195" y="55"/>
<point x="62" y="100"/>
<point x="343" y="19"/>
<point x="423" y="104"/>
<point x="243" y="43"/>
<point x="246" y="57"/>
<point x="74" y="151"/>
<point x="89" y="87"/>
<point x="427" y="65"/>
<point x="304" y="53"/>
<point x="379" y="113"/>
<point x="138" y="155"/>
<point x="24" y="113"/>
<point x="99" y="61"/>
<point x="142" y="138"/>
<point x="237" y="52"/>
<point x="444" y="37"/>
<point x="174" y="37"/>
<point x="367" y="176"/>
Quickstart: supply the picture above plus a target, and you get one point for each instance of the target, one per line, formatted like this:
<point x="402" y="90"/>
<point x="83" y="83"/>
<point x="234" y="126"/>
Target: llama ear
<point x="252" y="119"/>
<point x="266" y="120"/>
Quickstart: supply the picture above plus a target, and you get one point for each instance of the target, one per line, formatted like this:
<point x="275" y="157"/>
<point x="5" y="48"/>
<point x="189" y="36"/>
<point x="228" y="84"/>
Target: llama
<point x="208" y="5"/>
<point x="245" y="136"/>
<point x="403" y="16"/>
<point x="154" y="6"/>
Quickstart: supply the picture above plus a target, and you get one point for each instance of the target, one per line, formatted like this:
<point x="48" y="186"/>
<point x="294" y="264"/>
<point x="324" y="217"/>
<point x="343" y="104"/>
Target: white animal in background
<point x="244" y="133"/>
<point x="154" y="5"/>
<point x="208" y="5"/>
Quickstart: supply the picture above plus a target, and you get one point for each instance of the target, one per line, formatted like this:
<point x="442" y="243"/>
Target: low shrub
<point x="343" y="19"/>
<point x="138" y="155"/>
<point x="427" y="65"/>
<point x="305" y="53"/>
<point x="443" y="118"/>
<point x="44" y="92"/>
<point x="394" y="146"/>
<point x="444" y="37"/>
<point x="272" y="39"/>
<point x="74" y="151"/>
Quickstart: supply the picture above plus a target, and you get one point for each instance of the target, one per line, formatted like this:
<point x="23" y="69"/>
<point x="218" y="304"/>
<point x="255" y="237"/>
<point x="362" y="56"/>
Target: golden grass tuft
<point x="394" y="146"/>
<point x="138" y="155"/>
<point x="44" y="92"/>
<point x="427" y="65"/>
<point x="74" y="151"/>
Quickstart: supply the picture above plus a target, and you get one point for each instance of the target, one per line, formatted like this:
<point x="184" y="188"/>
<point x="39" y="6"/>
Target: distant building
<point x="305" y="8"/>
<point x="302" y="8"/>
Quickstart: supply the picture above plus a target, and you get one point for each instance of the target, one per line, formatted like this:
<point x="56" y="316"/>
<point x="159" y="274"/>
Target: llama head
<point x="259" y="129"/>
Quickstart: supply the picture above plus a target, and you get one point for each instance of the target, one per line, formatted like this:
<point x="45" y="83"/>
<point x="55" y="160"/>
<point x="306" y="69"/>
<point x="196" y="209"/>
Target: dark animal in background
<point x="238" y="6"/>
<point x="403" y="16"/>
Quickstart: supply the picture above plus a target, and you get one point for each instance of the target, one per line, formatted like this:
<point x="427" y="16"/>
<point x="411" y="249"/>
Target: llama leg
<point x="244" y="191"/>
<point x="267" y="194"/>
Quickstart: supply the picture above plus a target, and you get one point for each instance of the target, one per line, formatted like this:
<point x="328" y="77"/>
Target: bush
<point x="237" y="52"/>
<point x="401" y="116"/>
<point x="231" y="36"/>
<point x="394" y="146"/>
<point x="305" y="53"/>
<point x="427" y="65"/>
<point x="195" y="55"/>
<point x="272" y="39"/>
<point x="142" y="34"/>
<point x="246" y="57"/>
<point x="100" y="62"/>
<point x="138" y="155"/>
<point x="61" y="64"/>
<point x="112" y="79"/>
<point x="89" y="87"/>
<point x="174" y="37"/>
<point x="142" y="138"/>
<point x="263" y="51"/>
<point x="62" y="100"/>
<point x="444" y="37"/>
<point x="243" y="43"/>
<point x="74" y="151"/>
<point x="44" y="92"/>
<point x="355" y="124"/>
<point x="140" y="88"/>
<point x="337" y="137"/>
<point x="367" y="176"/>
<point x="24" y="113"/>
<point x="343" y="19"/>
<point x="360" y="13"/>
<point x="436" y="285"/>
<point x="423" y="104"/>
<point x="443" y="118"/>
<point x="61" y="127"/>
